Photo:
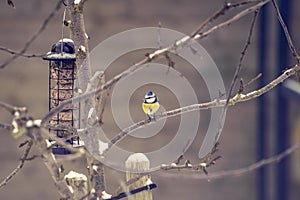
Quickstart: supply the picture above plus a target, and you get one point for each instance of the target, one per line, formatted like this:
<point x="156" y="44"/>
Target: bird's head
<point x="150" y="97"/>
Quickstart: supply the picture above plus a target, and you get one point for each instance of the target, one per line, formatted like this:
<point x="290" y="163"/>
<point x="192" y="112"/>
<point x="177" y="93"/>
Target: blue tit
<point x="150" y="104"/>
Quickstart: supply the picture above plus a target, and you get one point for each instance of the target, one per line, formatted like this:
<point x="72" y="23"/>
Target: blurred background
<point x="25" y="83"/>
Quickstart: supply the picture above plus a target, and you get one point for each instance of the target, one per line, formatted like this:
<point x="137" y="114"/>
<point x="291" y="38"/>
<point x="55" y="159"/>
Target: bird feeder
<point x="62" y="76"/>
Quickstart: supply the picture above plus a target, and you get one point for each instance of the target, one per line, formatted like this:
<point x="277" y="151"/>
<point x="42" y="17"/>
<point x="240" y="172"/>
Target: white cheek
<point x="151" y="100"/>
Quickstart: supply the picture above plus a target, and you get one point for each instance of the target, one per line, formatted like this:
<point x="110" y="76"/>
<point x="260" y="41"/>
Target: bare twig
<point x="19" y="54"/>
<point x="252" y="80"/>
<point x="227" y="173"/>
<point x="236" y="99"/>
<point x="11" y="4"/>
<point x="19" y="124"/>
<point x="231" y="20"/>
<point x="235" y="77"/>
<point x="242" y="56"/>
<point x="5" y="126"/>
<point x="286" y="32"/>
<point x="244" y="85"/>
<point x="126" y="131"/>
<point x="227" y="6"/>
<point x="70" y="131"/>
<point x="34" y="37"/>
<point x="8" y="107"/>
<point x="20" y="165"/>
<point x="243" y="170"/>
<point x="204" y="163"/>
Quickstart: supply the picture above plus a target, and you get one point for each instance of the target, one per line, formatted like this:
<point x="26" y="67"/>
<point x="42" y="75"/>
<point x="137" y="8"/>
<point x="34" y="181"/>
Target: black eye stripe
<point x="155" y="100"/>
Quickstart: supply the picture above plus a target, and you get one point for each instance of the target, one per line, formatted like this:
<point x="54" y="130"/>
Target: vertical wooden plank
<point x="135" y="164"/>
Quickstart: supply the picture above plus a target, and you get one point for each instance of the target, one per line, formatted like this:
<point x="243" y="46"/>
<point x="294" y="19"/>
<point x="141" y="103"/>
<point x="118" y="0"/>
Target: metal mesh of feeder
<point x="62" y="75"/>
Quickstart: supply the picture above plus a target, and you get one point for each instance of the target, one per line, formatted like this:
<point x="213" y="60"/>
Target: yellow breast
<point x="150" y="108"/>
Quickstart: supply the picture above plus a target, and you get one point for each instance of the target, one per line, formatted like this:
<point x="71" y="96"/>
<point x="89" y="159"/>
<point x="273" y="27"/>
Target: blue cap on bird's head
<point x="149" y="94"/>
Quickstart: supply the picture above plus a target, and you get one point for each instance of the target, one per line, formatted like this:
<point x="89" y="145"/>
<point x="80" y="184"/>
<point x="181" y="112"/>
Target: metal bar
<point x="135" y="191"/>
<point x="262" y="106"/>
<point x="282" y="132"/>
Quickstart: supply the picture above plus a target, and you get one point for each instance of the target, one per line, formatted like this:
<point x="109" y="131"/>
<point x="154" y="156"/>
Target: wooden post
<point x="77" y="184"/>
<point x="138" y="162"/>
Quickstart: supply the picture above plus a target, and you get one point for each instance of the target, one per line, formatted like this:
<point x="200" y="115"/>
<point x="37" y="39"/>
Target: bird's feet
<point x="151" y="117"/>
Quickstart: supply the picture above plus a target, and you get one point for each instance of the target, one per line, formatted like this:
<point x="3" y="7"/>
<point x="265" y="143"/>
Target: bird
<point x="150" y="105"/>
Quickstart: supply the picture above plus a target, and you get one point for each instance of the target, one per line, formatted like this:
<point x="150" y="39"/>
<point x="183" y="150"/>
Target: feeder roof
<point x="68" y="46"/>
<point x="64" y="49"/>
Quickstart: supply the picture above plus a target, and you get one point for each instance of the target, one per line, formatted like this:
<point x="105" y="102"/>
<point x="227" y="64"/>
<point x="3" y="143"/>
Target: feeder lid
<point x="64" y="49"/>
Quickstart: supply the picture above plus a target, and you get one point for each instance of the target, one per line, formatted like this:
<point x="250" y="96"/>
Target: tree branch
<point x="226" y="7"/>
<point x="203" y="106"/>
<point x="40" y="136"/>
<point x="51" y="163"/>
<point x="235" y="77"/>
<point x="20" y="54"/>
<point x="204" y="163"/>
<point x="243" y="170"/>
<point x="8" y="107"/>
<point x="286" y="32"/>
<point x="95" y="167"/>
<point x="34" y="37"/>
<point x="5" y="126"/>
<point x="231" y="20"/>
<point x="161" y="52"/>
<point x="78" y="35"/>
<point x="20" y="166"/>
